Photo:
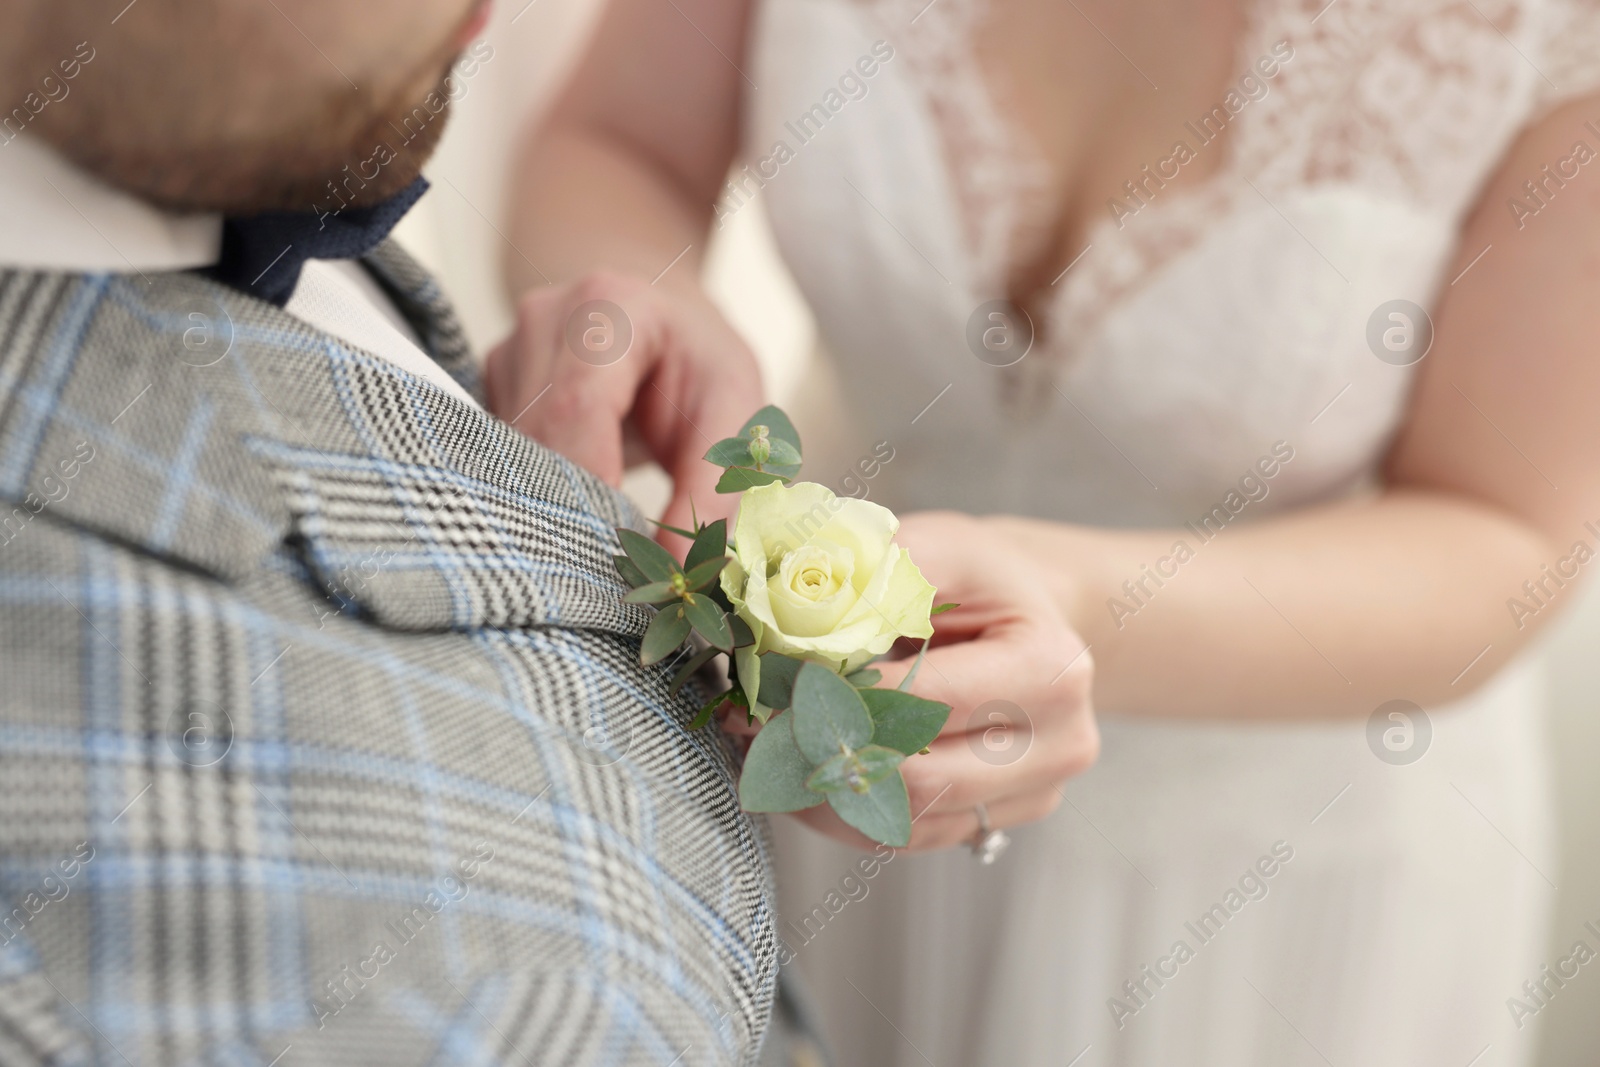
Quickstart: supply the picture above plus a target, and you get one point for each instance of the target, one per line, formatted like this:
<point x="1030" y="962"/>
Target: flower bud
<point x="760" y="445"/>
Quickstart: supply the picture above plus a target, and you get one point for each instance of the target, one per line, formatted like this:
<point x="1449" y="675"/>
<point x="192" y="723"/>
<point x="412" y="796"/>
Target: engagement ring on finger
<point x="988" y="843"/>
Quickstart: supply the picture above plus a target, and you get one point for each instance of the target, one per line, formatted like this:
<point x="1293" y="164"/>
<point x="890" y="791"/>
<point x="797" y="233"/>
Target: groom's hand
<point x="1016" y="675"/>
<point x="609" y="360"/>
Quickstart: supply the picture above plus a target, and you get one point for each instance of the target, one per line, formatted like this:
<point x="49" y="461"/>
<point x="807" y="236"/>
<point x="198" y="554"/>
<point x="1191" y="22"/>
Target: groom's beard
<point x="304" y="168"/>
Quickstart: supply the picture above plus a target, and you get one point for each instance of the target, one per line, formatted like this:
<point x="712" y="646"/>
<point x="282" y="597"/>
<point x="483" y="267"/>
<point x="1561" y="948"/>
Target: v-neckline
<point x="1078" y="270"/>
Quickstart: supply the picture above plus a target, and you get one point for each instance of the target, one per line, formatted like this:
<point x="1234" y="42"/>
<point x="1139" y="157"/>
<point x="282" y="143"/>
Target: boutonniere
<point x="805" y="594"/>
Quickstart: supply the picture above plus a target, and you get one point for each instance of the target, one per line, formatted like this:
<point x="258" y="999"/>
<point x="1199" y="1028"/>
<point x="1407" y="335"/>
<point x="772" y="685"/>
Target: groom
<point x="322" y="734"/>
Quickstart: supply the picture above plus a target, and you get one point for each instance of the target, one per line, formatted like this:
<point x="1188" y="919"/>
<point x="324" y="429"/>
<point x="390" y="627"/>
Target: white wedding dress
<point x="1218" y="321"/>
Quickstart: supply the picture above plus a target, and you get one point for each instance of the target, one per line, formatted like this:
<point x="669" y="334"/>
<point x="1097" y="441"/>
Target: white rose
<point x="819" y="577"/>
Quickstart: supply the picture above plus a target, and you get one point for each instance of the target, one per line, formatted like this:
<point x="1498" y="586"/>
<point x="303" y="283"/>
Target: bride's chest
<point x="992" y="128"/>
<point x="1231" y="253"/>
<point x="1091" y="92"/>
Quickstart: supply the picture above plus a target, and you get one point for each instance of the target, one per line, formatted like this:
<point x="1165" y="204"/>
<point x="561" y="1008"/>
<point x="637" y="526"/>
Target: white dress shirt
<point x="54" y="216"/>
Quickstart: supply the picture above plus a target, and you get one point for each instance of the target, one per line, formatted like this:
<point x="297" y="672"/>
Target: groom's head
<point x="238" y="105"/>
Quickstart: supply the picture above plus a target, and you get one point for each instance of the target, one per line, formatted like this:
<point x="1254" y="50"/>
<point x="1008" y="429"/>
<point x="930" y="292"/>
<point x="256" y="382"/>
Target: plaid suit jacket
<point x="323" y="738"/>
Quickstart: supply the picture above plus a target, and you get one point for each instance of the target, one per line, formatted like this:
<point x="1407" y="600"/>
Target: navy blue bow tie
<point x="262" y="254"/>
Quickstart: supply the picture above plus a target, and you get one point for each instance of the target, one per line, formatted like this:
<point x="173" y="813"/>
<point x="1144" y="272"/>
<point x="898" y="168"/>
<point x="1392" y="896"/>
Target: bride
<point x="1226" y="362"/>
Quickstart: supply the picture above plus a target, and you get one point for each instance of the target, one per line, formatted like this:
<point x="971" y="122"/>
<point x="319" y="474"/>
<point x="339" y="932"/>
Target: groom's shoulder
<point x="357" y="651"/>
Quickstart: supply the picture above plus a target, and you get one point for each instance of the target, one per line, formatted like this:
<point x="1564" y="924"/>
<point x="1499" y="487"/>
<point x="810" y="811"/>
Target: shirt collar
<point x="57" y="216"/>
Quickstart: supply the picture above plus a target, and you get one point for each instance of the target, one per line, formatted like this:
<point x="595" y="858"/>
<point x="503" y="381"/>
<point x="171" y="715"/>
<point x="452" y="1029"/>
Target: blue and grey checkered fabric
<point x="322" y="734"/>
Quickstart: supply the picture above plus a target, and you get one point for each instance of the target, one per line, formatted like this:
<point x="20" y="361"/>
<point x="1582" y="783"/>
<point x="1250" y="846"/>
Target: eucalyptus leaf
<point x="665" y="634"/>
<point x="742" y="634"/>
<point x="779" y="428"/>
<point x="828" y="714"/>
<point x="679" y="530"/>
<point x="836" y="774"/>
<point x="656" y="562"/>
<point x="706" y="573"/>
<point x="687" y="671"/>
<point x="747" y="668"/>
<point x="738" y="479"/>
<point x="777" y="678"/>
<point x="883" y="813"/>
<point x="864" y="678"/>
<point x="942" y="608"/>
<point x="859" y="770"/>
<point x="775" y="771"/>
<point x="652" y="593"/>
<point x="630" y="571"/>
<point x="710" y="543"/>
<point x="731" y="452"/>
<point x="709" y="708"/>
<point x="902" y="721"/>
<point x="708" y="620"/>
<point x="905" y="683"/>
<point x="782" y="455"/>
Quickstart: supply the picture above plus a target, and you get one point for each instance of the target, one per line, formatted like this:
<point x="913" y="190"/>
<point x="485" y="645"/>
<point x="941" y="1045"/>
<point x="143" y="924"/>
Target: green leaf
<point x="775" y="771"/>
<point x="731" y="452"/>
<point x="667" y="631"/>
<point x="710" y="543"/>
<point x="905" y="683"/>
<point x="706" y="573"/>
<point x="655" y="561"/>
<point x="836" y="774"/>
<point x="864" y="678"/>
<point x="777" y="679"/>
<point x="904" y="722"/>
<point x="779" y="428"/>
<point x="653" y="593"/>
<point x="942" y="608"/>
<point x="738" y="479"/>
<point x="742" y="634"/>
<point x="709" y="708"/>
<point x="630" y="571"/>
<point x="883" y="813"/>
<point x="680" y="531"/>
<point x="782" y="455"/>
<point x="708" y="620"/>
<point x="687" y="671"/>
<point x="859" y="770"/>
<point x="828" y="714"/>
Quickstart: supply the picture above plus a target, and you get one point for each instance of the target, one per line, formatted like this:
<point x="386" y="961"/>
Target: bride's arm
<point x="610" y="207"/>
<point x="622" y="173"/>
<point x="1334" y="610"/>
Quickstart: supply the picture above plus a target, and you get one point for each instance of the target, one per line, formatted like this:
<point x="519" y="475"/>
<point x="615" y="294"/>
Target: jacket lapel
<point x="222" y="427"/>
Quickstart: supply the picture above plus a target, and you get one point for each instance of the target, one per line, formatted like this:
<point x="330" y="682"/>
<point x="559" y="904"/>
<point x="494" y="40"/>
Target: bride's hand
<point x="578" y="377"/>
<point x="1016" y="675"/>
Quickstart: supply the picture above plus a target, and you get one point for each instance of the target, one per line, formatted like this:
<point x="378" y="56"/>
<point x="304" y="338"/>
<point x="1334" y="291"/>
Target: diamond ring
<point x="988" y="843"/>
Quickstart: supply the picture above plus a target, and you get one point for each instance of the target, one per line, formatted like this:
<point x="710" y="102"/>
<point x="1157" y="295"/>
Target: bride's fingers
<point x="965" y="769"/>
<point x="931" y="830"/>
<point x="824" y="821"/>
<point x="946" y="829"/>
<point x="1004" y="686"/>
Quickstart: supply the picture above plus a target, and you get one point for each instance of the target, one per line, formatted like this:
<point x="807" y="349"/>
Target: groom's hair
<point x="233" y="105"/>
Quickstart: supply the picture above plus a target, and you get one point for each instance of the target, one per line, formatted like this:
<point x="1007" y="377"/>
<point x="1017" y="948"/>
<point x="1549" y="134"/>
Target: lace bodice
<point x="1195" y="331"/>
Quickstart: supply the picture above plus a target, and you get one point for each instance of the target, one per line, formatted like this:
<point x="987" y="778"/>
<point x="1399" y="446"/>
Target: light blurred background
<point x="457" y="231"/>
